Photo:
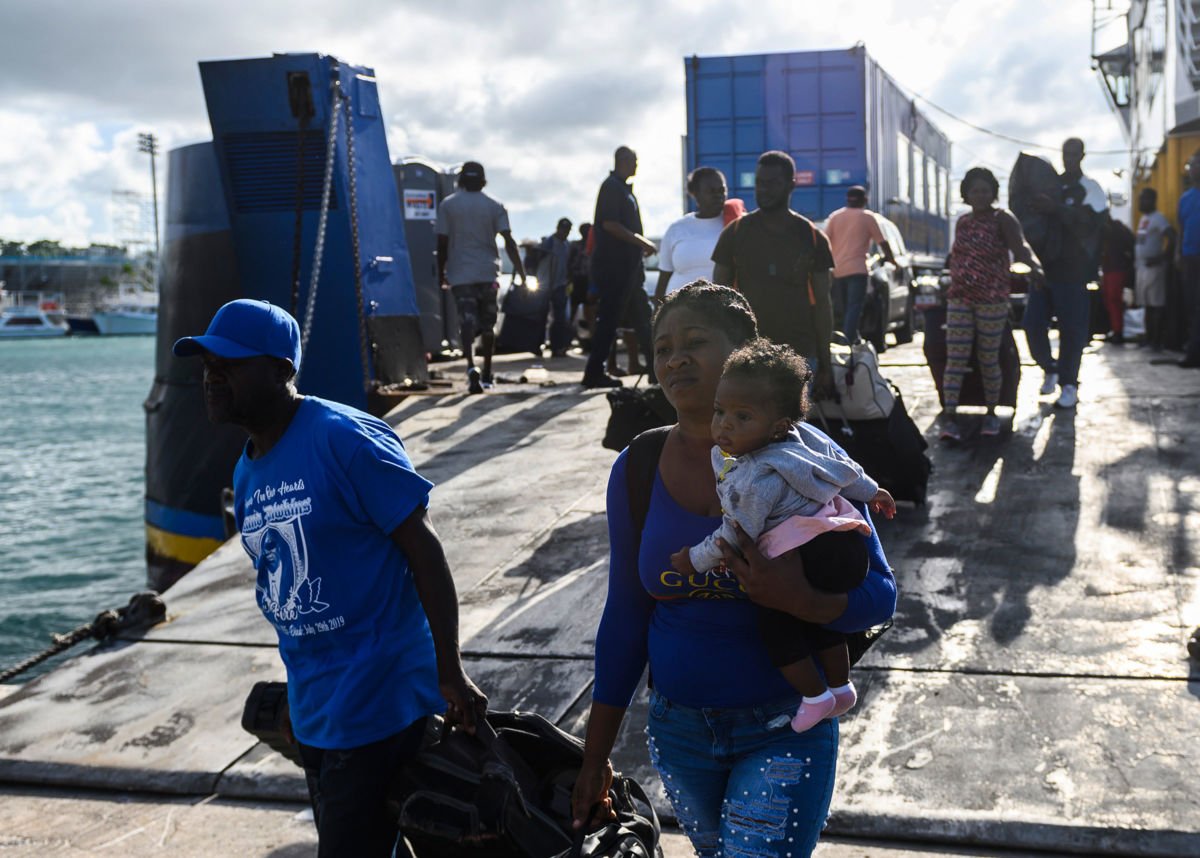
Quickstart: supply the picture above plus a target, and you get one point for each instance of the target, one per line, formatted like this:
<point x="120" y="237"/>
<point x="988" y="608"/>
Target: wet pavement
<point x="1035" y="694"/>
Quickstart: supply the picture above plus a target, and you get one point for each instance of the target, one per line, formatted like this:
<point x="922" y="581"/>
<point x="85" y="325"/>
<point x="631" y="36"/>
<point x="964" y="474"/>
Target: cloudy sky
<point x="541" y="92"/>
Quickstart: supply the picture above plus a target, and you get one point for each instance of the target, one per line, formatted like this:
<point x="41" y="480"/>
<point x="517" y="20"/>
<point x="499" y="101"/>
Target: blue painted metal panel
<point x="256" y="139"/>
<point x="842" y="119"/>
<point x="184" y="522"/>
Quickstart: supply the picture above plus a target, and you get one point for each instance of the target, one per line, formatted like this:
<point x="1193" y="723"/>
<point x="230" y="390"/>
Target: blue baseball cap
<point x="247" y="328"/>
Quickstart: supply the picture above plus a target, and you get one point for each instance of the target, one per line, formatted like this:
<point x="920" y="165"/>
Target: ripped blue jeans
<point x="742" y="783"/>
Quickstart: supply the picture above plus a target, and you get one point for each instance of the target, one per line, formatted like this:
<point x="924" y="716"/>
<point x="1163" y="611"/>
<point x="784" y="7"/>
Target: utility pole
<point x="148" y="143"/>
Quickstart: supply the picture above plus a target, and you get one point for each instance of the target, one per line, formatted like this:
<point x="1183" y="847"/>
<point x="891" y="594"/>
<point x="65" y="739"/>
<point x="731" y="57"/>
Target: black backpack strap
<point x="641" y="464"/>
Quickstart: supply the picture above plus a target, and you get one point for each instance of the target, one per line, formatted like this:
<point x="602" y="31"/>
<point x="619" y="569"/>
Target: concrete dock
<point x="1035" y="695"/>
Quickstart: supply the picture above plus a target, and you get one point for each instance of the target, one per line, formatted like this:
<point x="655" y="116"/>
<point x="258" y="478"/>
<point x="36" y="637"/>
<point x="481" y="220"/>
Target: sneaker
<point x="1069" y="397"/>
<point x="487" y="380"/>
<point x="845" y="698"/>
<point x="1050" y="384"/>
<point x="474" y="385"/>
<point x="812" y="711"/>
<point x="991" y="425"/>
<point x="950" y="430"/>
<point x="597" y="381"/>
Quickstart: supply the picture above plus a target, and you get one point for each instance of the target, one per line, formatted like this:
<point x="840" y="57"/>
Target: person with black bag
<point x="349" y="571"/>
<point x="699" y="634"/>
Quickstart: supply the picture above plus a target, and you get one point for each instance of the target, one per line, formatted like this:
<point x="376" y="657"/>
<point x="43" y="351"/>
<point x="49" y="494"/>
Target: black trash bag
<point x="1033" y="175"/>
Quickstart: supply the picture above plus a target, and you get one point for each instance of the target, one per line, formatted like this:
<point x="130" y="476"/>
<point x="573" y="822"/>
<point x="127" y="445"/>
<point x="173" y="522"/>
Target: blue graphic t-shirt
<point x="315" y="514"/>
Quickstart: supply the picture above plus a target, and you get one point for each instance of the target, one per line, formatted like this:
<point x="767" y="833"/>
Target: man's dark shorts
<point x="477" y="308"/>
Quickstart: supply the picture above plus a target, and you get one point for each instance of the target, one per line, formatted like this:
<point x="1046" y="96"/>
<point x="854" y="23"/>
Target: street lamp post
<point x="148" y="143"/>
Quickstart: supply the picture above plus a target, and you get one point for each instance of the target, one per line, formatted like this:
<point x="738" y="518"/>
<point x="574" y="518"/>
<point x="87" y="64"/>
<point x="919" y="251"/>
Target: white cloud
<point x="540" y="92"/>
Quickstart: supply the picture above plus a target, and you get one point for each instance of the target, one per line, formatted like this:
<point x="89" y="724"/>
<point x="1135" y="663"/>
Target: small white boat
<point x="135" y="311"/>
<point x="27" y="315"/>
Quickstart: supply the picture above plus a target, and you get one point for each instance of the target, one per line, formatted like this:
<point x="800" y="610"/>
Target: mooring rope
<point x="144" y="609"/>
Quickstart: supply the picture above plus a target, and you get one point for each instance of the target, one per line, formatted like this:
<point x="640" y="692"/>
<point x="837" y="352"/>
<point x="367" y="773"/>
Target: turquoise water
<point x="71" y="484"/>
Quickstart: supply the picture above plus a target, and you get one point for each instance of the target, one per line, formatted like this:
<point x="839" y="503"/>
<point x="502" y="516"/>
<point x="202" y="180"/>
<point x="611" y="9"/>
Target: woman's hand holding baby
<point x="682" y="561"/>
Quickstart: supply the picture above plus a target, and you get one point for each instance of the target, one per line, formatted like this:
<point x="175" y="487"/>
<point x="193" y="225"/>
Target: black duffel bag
<point x="634" y="410"/>
<point x="633" y="833"/>
<point x="506" y="793"/>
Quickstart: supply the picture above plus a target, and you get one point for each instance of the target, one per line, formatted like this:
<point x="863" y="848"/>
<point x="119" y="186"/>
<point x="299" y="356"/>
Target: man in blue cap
<point x="350" y="572"/>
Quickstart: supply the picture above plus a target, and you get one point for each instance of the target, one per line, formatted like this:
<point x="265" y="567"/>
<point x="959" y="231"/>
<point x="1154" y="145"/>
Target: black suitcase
<point x="890" y="450"/>
<point x="523" y="326"/>
<point x="972" y="386"/>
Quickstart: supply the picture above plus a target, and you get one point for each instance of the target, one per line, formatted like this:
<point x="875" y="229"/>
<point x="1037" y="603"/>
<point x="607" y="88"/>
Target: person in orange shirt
<point x="851" y="231"/>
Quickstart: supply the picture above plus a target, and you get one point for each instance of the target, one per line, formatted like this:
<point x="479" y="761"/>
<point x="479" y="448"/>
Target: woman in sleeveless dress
<point x="977" y="302"/>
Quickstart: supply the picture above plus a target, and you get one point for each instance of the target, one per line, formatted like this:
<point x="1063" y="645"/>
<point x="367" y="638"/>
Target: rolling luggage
<point x="972" y="387"/>
<point x="891" y="450"/>
<point x="523" y="325"/>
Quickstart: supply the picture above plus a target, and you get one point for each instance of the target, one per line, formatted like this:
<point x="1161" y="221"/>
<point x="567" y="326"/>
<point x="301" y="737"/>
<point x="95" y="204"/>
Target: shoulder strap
<point x="812" y="296"/>
<point x="736" y="226"/>
<point x="641" y="464"/>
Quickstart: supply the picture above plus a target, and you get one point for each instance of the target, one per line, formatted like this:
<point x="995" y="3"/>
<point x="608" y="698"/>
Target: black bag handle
<point x="632" y="790"/>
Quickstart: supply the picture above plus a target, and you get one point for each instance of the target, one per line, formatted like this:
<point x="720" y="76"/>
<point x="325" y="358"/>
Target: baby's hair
<point x="785" y="374"/>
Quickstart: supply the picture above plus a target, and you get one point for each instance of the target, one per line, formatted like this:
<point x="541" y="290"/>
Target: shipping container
<point x="842" y="118"/>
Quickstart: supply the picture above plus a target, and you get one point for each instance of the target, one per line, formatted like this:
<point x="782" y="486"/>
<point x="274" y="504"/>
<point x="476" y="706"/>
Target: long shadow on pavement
<point x="1000" y="524"/>
<point x="475" y="448"/>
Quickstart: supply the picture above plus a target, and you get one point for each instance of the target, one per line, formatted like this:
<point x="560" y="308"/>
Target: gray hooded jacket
<point x="796" y="476"/>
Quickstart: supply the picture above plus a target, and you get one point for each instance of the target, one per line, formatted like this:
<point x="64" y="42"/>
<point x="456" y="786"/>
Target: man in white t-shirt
<point x="851" y="231"/>
<point x="685" y="253"/>
<point x="1153" y="251"/>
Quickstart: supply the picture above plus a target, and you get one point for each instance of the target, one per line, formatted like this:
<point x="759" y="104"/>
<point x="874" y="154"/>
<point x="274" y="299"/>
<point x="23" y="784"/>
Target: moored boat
<point x="28" y="315"/>
<point x="135" y="311"/>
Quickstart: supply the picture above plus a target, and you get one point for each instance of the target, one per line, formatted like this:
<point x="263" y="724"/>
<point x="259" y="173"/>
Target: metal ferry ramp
<point x="1034" y="695"/>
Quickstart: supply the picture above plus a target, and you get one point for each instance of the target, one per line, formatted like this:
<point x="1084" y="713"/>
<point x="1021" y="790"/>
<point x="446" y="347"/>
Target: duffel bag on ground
<point x="862" y="392"/>
<point x="891" y="450"/>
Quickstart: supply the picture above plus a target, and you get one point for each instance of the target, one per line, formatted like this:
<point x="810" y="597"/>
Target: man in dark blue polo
<point x="616" y="263"/>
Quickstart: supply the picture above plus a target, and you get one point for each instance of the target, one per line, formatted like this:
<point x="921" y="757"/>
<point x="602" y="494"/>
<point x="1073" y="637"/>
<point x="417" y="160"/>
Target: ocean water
<point x="72" y="455"/>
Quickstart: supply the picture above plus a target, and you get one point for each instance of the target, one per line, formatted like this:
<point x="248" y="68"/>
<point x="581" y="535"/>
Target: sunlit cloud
<point x="541" y="93"/>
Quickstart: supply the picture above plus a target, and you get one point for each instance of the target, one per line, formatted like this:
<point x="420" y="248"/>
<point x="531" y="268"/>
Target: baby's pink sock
<point x="813" y="710"/>
<point x="846" y="696"/>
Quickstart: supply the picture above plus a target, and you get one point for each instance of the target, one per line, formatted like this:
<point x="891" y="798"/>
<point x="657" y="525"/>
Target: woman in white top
<point x="687" y="246"/>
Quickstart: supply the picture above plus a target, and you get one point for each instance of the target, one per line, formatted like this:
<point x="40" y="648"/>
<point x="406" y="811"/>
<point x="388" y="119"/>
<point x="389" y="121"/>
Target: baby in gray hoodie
<point x="788" y="486"/>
